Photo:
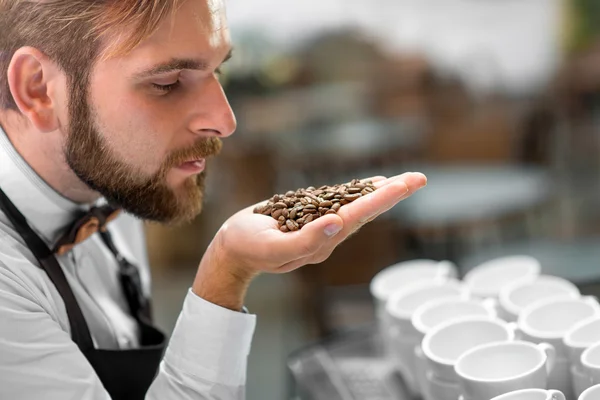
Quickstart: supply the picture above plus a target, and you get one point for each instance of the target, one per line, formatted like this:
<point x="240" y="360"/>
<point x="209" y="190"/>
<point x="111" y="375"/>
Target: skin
<point x="142" y="125"/>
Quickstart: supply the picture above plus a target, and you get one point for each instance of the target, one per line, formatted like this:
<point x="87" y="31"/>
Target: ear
<point x="33" y="80"/>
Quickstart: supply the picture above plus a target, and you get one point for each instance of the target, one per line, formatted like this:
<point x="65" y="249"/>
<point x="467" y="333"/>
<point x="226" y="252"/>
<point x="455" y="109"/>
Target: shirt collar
<point x="47" y="212"/>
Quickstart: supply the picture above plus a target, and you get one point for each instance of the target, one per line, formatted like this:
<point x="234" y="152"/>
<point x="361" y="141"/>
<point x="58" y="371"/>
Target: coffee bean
<point x="352" y="197"/>
<point x="284" y="229"/>
<point x="343" y="202"/>
<point x="289" y="224"/>
<point x="325" y="204"/>
<point x="290" y="193"/>
<point x="354" y="190"/>
<point x="281" y="219"/>
<point x="280" y="205"/>
<point x="311" y="188"/>
<point x="293" y="213"/>
<point x="308" y="218"/>
<point x="360" y="186"/>
<point x="277" y="213"/>
<point x="331" y="211"/>
<point x="336" y="206"/>
<point x="310" y="207"/>
<point x="328" y="196"/>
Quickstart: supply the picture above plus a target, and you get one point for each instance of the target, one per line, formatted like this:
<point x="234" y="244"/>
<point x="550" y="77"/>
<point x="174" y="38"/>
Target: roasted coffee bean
<point x="280" y="205"/>
<point x="360" y="186"/>
<point x="308" y="218"/>
<point x="352" y="197"/>
<point x="290" y="193"/>
<point x="310" y="207"/>
<point x="289" y="224"/>
<point x="328" y="196"/>
<point x="293" y="213"/>
<point x="325" y="204"/>
<point x="284" y="228"/>
<point x="331" y="211"/>
<point x="336" y="206"/>
<point x="303" y="201"/>
<point x="311" y="188"/>
<point x="343" y="202"/>
<point x="277" y="213"/>
<point x="281" y="219"/>
<point x="354" y="190"/>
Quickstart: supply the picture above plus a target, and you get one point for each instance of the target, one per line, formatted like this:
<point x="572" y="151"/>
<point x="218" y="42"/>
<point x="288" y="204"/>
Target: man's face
<point x="141" y="132"/>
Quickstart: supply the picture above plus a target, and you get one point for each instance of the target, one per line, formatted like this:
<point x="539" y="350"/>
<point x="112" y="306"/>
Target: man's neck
<point x="44" y="152"/>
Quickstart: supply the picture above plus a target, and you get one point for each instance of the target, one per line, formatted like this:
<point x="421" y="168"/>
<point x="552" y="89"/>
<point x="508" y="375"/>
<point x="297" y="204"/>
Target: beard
<point x="91" y="158"/>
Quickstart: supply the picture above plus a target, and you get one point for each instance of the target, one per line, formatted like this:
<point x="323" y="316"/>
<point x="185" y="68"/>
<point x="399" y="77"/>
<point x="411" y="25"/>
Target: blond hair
<point x="75" y="33"/>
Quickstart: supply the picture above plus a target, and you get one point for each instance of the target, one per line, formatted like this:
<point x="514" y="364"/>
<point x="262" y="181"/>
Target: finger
<point x="374" y="179"/>
<point x="381" y="200"/>
<point x="407" y="175"/>
<point x="292" y="246"/>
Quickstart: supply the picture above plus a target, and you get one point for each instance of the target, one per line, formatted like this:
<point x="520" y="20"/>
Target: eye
<point x="166" y="88"/>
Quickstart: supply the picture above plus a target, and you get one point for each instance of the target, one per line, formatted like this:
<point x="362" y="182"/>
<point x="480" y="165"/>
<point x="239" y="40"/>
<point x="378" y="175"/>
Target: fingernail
<point x="332" y="229"/>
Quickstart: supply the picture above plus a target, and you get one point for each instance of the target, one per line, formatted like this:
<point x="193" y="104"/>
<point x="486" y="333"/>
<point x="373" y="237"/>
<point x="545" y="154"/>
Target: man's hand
<point x="248" y="244"/>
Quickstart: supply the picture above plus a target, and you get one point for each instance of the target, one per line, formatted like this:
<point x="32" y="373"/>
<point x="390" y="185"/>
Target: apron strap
<point x="80" y="332"/>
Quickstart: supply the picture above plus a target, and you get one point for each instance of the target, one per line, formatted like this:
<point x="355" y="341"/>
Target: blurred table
<point x="470" y="205"/>
<point x="577" y="260"/>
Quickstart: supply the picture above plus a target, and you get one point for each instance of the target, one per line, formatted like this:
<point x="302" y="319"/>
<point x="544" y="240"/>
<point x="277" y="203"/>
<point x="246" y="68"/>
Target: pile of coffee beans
<point x="293" y="210"/>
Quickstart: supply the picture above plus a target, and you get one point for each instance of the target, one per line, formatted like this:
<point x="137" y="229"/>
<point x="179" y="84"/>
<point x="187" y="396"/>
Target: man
<point x="116" y="104"/>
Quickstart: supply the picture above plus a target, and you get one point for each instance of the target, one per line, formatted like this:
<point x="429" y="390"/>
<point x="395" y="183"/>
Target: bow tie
<point x="85" y="226"/>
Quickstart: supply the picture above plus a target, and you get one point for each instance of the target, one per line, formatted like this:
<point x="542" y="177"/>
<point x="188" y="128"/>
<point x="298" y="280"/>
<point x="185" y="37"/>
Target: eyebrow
<point x="178" y="64"/>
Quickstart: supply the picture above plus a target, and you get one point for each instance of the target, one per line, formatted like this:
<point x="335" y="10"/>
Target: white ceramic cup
<point x="400" y="308"/>
<point x="581" y="336"/>
<point x="591" y="393"/>
<point x="437" y="312"/>
<point x="488" y="279"/>
<point x="440" y="390"/>
<point x="549" y="320"/>
<point x="405" y="274"/>
<point x="580" y="380"/>
<point x="517" y="296"/>
<point x="493" y="369"/>
<point x="532" y="394"/>
<point x="590" y="363"/>
<point x="446" y="343"/>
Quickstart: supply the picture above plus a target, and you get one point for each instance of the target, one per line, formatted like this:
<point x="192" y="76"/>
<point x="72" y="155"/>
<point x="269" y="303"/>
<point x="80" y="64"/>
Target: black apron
<point x="125" y="374"/>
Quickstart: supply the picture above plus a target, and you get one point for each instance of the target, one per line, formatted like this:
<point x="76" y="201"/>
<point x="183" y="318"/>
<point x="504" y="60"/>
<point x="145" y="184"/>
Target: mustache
<point x="203" y="148"/>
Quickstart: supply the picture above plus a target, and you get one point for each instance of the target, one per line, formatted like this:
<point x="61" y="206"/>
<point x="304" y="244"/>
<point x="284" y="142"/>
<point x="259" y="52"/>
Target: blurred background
<point x="496" y="101"/>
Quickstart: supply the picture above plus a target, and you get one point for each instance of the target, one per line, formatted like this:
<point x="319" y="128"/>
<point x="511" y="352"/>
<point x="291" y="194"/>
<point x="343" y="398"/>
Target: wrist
<point x="221" y="280"/>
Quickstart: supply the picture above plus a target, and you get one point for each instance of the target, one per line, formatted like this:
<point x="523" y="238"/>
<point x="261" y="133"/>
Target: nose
<point x="213" y="114"/>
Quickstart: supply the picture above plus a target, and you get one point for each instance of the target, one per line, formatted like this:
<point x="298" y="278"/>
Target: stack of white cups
<point x="396" y="278"/>
<point x="504" y="331"/>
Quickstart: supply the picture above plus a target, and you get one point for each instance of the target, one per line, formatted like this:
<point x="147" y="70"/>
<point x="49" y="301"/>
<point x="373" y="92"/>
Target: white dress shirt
<point x="207" y="354"/>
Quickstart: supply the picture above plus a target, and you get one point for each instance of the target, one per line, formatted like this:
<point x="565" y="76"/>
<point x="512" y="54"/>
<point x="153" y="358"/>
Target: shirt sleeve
<point x="205" y="360"/>
<point x="207" y="354"/>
